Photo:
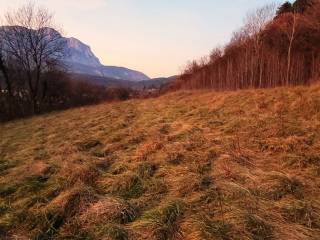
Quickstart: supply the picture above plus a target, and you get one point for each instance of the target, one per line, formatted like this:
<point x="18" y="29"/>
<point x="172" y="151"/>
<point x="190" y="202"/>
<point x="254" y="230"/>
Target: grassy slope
<point x="188" y="165"/>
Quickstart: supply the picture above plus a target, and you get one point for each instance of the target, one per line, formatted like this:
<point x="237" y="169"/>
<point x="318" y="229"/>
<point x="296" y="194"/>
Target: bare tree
<point x="292" y="25"/>
<point x="255" y="23"/>
<point x="290" y="29"/>
<point x="4" y="68"/>
<point x="267" y="51"/>
<point x="30" y="39"/>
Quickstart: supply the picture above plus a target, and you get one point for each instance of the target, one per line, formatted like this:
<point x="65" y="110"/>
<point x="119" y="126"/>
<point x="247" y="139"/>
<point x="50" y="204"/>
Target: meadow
<point x="186" y="165"/>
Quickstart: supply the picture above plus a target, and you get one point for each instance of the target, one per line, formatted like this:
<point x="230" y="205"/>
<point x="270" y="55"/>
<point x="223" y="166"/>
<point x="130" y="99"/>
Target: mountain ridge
<point x="80" y="59"/>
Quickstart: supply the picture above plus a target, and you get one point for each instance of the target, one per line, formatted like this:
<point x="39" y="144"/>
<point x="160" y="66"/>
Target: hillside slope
<point x="187" y="165"/>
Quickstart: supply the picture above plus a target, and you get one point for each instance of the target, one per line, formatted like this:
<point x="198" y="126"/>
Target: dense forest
<point x="275" y="47"/>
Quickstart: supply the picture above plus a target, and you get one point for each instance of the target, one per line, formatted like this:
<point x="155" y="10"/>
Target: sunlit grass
<point x="187" y="165"/>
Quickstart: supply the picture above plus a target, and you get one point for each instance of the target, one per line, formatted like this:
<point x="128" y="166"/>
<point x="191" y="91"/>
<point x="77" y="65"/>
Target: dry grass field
<point x="187" y="165"/>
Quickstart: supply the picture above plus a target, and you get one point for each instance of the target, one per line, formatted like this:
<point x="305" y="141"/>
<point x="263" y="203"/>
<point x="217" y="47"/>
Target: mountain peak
<point x="78" y="52"/>
<point x="82" y="60"/>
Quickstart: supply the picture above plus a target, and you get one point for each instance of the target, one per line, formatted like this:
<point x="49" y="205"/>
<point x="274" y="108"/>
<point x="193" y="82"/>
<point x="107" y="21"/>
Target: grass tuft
<point x="165" y="221"/>
<point x="33" y="184"/>
<point x="287" y="186"/>
<point x="165" y="129"/>
<point x="5" y="165"/>
<point x="258" y="228"/>
<point x="47" y="222"/>
<point x="146" y="170"/>
<point x="303" y="213"/>
<point x="88" y="145"/>
<point x="175" y="158"/>
<point x="130" y="186"/>
<point x="116" y="232"/>
<point x="214" y="229"/>
<point x="7" y="190"/>
<point x="109" y="210"/>
<point x="73" y="230"/>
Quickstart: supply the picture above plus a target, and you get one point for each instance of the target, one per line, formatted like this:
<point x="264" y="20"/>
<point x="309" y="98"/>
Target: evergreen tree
<point x="285" y="8"/>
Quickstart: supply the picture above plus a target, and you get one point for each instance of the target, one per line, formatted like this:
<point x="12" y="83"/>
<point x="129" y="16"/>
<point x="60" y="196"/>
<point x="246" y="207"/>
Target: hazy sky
<point x="156" y="37"/>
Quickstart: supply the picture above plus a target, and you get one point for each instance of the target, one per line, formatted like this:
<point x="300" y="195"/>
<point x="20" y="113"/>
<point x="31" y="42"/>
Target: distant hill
<point x="155" y="83"/>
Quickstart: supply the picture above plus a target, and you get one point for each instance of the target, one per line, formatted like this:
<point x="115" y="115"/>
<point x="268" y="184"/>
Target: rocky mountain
<point x="80" y="53"/>
<point x="81" y="60"/>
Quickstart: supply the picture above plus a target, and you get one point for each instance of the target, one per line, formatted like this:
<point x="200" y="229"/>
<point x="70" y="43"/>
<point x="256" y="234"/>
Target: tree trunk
<point x="290" y="49"/>
<point x="6" y="77"/>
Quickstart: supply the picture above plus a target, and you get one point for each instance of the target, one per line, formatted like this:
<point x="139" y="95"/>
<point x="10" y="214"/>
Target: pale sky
<point x="156" y="37"/>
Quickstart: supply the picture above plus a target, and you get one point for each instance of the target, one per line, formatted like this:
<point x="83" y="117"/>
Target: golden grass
<point x="187" y="165"/>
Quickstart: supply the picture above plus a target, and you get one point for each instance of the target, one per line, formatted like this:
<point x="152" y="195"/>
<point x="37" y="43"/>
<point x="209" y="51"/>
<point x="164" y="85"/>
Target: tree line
<point x="33" y="77"/>
<point x="275" y="47"/>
